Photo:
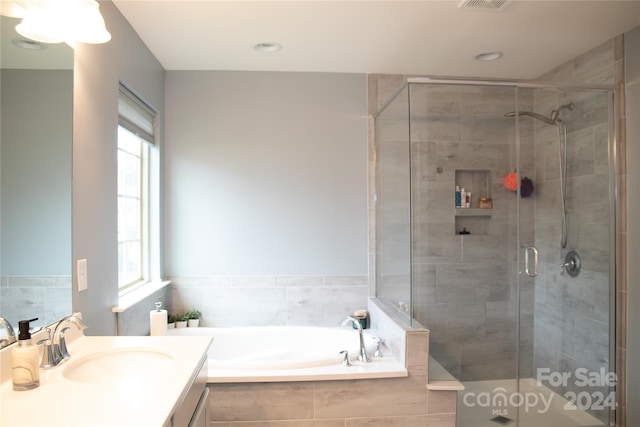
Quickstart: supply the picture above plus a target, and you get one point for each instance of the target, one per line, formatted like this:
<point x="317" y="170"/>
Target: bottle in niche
<point x="467" y="202"/>
<point x="25" y="369"/>
<point x="463" y="198"/>
<point x="458" y="197"/>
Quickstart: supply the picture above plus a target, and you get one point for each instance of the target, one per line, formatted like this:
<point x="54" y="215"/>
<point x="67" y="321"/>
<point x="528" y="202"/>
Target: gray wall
<point x="266" y="186"/>
<point x="632" y="52"/>
<point x="36" y="172"/>
<point x="36" y="194"/>
<point x="265" y="173"/>
<point x="97" y="71"/>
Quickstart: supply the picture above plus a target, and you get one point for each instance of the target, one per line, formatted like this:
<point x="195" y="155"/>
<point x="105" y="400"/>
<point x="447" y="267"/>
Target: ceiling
<point x="407" y="37"/>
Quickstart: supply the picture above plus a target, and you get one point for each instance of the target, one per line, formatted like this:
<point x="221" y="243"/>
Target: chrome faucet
<point x="11" y="334"/>
<point x="48" y="355"/>
<point x="60" y="352"/>
<point x="362" y="353"/>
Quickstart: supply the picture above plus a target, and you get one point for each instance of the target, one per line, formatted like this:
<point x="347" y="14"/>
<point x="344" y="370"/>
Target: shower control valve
<point x="572" y="264"/>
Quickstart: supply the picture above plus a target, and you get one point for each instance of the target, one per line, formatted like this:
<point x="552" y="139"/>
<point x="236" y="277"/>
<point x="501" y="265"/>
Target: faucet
<point x="11" y="334"/>
<point x="60" y="352"/>
<point x="48" y="355"/>
<point x="362" y="354"/>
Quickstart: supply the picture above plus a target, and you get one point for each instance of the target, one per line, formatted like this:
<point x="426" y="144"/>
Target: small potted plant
<point x="181" y="320"/>
<point x="171" y="321"/>
<point x="194" y="318"/>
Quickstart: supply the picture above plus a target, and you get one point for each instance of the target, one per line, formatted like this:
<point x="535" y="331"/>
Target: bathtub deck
<point x="386" y="367"/>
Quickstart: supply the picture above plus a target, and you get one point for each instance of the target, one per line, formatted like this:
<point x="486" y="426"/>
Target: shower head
<point x="552" y="120"/>
<point x="547" y="120"/>
<point x="555" y="114"/>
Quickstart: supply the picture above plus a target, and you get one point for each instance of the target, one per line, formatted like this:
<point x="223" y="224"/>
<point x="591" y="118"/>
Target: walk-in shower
<point x="505" y="334"/>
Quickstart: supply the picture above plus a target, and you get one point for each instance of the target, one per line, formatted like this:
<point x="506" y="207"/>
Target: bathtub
<point x="290" y="353"/>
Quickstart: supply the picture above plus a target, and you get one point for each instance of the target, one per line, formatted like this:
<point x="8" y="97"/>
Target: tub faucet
<point x="60" y="351"/>
<point x="362" y="354"/>
<point x="11" y="334"/>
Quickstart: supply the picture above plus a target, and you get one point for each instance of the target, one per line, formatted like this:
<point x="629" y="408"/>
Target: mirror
<point x="36" y="98"/>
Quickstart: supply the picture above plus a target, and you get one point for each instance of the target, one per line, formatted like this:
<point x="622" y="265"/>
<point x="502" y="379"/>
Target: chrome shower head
<point x="555" y="114"/>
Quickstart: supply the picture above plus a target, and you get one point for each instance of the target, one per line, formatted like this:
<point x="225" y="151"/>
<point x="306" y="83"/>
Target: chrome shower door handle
<point x="527" y="261"/>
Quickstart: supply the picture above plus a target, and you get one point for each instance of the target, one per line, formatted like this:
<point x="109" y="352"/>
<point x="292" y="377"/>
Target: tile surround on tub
<point x="389" y="402"/>
<point x="271" y="300"/>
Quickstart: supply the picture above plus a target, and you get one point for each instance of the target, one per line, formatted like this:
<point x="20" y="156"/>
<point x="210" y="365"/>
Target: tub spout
<point x="362" y="354"/>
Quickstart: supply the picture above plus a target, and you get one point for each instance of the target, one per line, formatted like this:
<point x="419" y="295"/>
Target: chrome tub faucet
<point x="362" y="353"/>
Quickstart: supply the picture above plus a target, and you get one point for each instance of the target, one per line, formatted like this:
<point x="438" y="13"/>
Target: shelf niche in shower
<point x="476" y="221"/>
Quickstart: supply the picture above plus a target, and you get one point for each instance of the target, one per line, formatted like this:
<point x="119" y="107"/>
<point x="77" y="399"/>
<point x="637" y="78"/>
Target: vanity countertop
<point x="61" y="401"/>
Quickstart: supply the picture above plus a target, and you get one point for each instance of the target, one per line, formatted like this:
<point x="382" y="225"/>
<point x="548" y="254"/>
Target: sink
<point x="118" y="365"/>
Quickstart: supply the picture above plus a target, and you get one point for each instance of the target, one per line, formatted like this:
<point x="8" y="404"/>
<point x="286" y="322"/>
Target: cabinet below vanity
<point x="193" y="410"/>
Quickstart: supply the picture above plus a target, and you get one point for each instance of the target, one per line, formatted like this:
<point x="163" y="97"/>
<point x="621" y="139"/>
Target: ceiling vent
<point x="488" y="5"/>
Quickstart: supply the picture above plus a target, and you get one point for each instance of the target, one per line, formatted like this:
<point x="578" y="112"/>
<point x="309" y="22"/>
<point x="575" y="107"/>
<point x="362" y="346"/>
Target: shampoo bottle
<point x="25" y="368"/>
<point x="458" y="197"/>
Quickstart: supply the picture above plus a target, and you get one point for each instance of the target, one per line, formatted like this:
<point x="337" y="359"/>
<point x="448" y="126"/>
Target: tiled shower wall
<point x="24" y="297"/>
<point x="467" y="283"/>
<point x="603" y="64"/>
<point x="464" y="288"/>
<point x="572" y="314"/>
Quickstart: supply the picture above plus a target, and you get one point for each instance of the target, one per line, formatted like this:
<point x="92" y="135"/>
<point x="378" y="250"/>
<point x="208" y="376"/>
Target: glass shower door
<point x="565" y="268"/>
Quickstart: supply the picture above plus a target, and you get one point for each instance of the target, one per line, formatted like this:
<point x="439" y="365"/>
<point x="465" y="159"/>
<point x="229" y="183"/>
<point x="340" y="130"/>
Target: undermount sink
<point x="118" y="365"/>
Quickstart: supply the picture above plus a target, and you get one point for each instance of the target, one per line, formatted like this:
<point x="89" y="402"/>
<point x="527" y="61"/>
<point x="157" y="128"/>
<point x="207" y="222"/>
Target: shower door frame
<point x="614" y="167"/>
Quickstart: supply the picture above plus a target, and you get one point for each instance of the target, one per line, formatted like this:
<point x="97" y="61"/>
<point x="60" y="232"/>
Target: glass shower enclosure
<point x="515" y="285"/>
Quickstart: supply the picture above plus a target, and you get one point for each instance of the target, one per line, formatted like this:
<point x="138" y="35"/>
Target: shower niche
<point x="473" y="220"/>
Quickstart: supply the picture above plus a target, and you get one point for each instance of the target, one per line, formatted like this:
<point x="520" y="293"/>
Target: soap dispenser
<point x="25" y="369"/>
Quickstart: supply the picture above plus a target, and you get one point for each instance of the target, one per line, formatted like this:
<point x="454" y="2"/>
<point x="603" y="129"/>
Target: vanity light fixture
<point x="488" y="56"/>
<point x="267" y="47"/>
<point x="56" y="21"/>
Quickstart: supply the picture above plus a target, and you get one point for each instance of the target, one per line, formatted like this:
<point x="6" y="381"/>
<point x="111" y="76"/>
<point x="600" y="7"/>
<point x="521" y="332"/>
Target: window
<point x="136" y="139"/>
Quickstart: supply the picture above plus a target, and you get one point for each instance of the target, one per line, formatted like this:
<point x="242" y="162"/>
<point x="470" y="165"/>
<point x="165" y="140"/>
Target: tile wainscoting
<point x="270" y="300"/>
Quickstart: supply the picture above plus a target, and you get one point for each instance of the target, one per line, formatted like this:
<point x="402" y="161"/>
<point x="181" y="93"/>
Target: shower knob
<point x="572" y="264"/>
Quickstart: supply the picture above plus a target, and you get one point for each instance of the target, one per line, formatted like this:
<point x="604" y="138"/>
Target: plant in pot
<point x="181" y="320"/>
<point x="171" y="321"/>
<point x="194" y="318"/>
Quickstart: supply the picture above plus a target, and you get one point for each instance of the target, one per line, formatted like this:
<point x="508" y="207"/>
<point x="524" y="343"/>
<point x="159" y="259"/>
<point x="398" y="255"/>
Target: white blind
<point x="135" y="115"/>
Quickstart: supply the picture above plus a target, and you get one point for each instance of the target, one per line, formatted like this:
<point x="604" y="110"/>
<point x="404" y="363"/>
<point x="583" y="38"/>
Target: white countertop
<point x="63" y="402"/>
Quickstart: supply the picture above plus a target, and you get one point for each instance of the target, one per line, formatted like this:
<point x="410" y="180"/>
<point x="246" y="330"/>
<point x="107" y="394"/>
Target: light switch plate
<point x="81" y="266"/>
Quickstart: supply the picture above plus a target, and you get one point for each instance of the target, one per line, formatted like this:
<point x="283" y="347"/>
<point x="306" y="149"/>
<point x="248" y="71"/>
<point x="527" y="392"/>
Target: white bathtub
<point x="290" y="353"/>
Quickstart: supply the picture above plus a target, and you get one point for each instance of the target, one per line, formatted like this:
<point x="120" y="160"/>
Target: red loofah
<point x="511" y="181"/>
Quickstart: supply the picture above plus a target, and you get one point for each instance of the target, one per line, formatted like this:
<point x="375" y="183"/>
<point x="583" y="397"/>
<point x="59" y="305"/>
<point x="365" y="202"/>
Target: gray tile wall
<point x="270" y="300"/>
<point x="572" y="315"/>
<point x="25" y="297"/>
<point x="463" y="288"/>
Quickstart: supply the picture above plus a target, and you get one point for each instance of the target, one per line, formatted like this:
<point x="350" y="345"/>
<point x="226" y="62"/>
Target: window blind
<point x="135" y="115"/>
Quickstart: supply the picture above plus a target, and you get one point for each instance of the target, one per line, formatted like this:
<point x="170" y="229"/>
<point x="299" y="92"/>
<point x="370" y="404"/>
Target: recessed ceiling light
<point x="29" y="44"/>
<point x="488" y="56"/>
<point x="267" y="47"/>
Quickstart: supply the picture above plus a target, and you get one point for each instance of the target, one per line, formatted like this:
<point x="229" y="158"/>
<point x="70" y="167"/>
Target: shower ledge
<point x="440" y="379"/>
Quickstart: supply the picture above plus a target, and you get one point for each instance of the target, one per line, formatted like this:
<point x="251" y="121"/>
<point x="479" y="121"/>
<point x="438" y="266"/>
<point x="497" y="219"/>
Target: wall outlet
<point x="81" y="267"/>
